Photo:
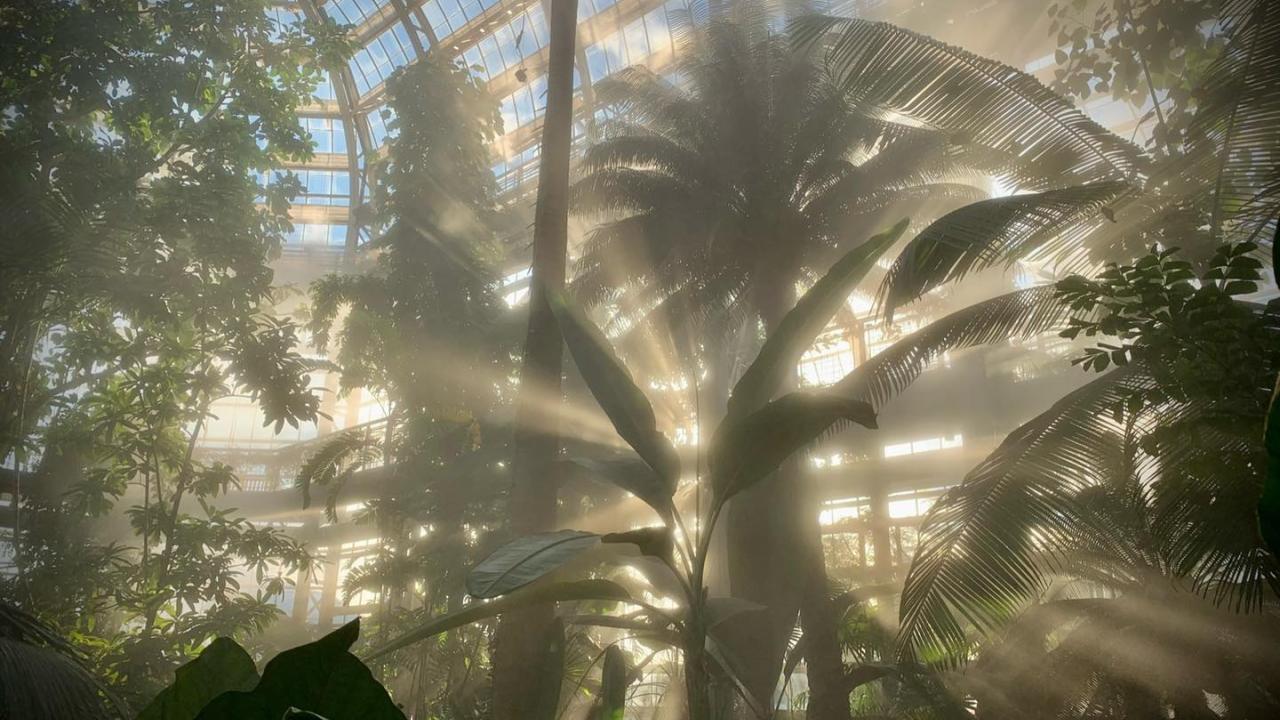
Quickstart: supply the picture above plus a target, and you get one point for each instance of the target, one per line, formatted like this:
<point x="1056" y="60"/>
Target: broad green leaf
<point x="717" y="610"/>
<point x="635" y="476"/>
<point x="613" y="684"/>
<point x="800" y="327"/>
<point x="652" y="541"/>
<point x="730" y="666"/>
<point x="614" y="389"/>
<point x="221" y="667"/>
<point x="322" y="677"/>
<point x="747" y="449"/>
<point x="643" y="629"/>
<point x="526" y="559"/>
<point x="550" y="592"/>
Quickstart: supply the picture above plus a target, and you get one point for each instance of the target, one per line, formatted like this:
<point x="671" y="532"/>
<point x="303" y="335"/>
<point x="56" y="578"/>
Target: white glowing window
<point x="827" y="365"/>
<point x="921" y="446"/>
<point x="835" y="515"/>
<point x="924" y="445"/>
<point x="897" y="449"/>
<point x="902" y="508"/>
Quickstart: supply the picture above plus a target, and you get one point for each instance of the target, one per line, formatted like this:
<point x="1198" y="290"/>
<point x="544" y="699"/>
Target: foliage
<point x="223" y="666"/>
<point x="1135" y="484"/>
<point x="319" y="679"/>
<point x="135" y="260"/>
<point x="1143" y="52"/>
<point x="423" y="327"/>
<point x="520" y="570"/>
<point x="43" y="676"/>
<point x="131" y="187"/>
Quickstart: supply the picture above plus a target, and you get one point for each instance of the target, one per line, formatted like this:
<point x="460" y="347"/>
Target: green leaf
<point x="533" y="595"/>
<point x="526" y="559"/>
<point x="221" y="667"/>
<point x="747" y="449"/>
<point x="717" y="610"/>
<point x="322" y="677"/>
<point x="614" y="389"/>
<point x="730" y="665"/>
<point x="800" y="327"/>
<point x="652" y="541"/>
<point x="994" y="232"/>
<point x="613" y="684"/>
<point x="635" y="476"/>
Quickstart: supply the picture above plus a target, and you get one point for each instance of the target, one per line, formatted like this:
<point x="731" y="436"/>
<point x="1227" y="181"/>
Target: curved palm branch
<point x="998" y="231"/>
<point x="1239" y="116"/>
<point x="1018" y="314"/>
<point x="334" y="463"/>
<point x="985" y="546"/>
<point x="915" y="79"/>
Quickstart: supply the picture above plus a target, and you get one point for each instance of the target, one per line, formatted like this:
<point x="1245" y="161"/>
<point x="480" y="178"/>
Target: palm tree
<point x="533" y="507"/>
<point x="1119" y="521"/>
<point x="718" y="199"/>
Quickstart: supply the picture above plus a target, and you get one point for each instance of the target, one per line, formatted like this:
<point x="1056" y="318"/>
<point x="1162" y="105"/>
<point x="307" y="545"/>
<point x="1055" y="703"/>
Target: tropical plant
<point x="760" y="435"/>
<point x="135" y="255"/>
<point x="1131" y="491"/>
<point x="43" y="676"/>
<point x="1141" y="52"/>
<point x="719" y="195"/>
<point x="401" y="329"/>
<point x="317" y="680"/>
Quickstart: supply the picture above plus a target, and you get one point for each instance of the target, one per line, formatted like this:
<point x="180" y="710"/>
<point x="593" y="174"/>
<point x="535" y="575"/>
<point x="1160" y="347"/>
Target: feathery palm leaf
<point x="915" y="79"/>
<point x="984" y="547"/>
<point x="992" y="232"/>
<point x="1018" y="314"/>
<point x="1239" y="116"/>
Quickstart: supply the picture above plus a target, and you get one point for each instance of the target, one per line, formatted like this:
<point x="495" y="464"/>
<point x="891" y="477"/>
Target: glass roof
<point x="503" y="42"/>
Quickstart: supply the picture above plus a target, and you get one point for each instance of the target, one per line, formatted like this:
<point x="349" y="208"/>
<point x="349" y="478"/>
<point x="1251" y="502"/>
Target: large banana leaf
<point x="717" y="610"/>
<point x="615" y="390"/>
<point x="221" y="667"/>
<point x="747" y="449"/>
<point x="913" y="79"/>
<point x="633" y="475"/>
<point x="533" y="595"/>
<point x="526" y="559"/>
<point x="798" y="329"/>
<point x="994" y="232"/>
<point x="323" y="677"/>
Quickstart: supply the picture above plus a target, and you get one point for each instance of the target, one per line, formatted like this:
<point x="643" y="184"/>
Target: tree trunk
<point x="776" y="559"/>
<point x="517" y="643"/>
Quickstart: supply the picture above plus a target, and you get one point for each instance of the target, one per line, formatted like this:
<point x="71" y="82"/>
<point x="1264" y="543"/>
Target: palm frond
<point x="992" y="232"/>
<point x="985" y="547"/>
<point x="1239" y="115"/>
<point x="918" y="79"/>
<point x="1018" y="314"/>
<point x="334" y="463"/>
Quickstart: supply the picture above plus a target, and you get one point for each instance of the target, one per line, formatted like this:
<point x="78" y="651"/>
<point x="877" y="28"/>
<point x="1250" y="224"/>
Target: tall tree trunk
<point x="518" y="642"/>
<point x="776" y="559"/>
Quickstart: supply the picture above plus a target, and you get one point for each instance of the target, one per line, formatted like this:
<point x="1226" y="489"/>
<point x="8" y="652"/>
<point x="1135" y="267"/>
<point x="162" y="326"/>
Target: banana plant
<point x="760" y="431"/>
